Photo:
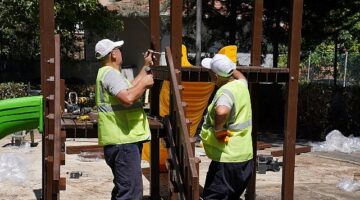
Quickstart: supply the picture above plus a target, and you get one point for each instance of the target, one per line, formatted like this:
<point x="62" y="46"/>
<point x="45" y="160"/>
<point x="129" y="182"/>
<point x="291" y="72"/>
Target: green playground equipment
<point x="24" y="113"/>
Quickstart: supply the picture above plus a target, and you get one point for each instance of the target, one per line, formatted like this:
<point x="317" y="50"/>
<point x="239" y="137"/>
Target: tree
<point x="322" y="21"/>
<point x="19" y="25"/>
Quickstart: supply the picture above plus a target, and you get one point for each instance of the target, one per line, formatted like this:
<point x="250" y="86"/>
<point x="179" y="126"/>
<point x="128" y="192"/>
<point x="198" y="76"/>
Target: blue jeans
<point x="227" y="181"/>
<point x="125" y="163"/>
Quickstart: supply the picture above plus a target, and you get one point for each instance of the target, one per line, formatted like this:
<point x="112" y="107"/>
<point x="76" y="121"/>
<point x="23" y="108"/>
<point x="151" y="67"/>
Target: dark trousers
<point x="125" y="163"/>
<point x="227" y="180"/>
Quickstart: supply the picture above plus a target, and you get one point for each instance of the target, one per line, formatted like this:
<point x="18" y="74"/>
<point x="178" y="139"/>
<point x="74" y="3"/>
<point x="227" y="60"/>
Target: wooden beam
<point x="154" y="12"/>
<point x="176" y="31"/>
<point x="155" y="27"/>
<point x="298" y="150"/>
<point x="254" y="74"/>
<point x="287" y="187"/>
<point x="82" y="148"/>
<point x="263" y="145"/>
<point x="255" y="102"/>
<point x="257" y="33"/>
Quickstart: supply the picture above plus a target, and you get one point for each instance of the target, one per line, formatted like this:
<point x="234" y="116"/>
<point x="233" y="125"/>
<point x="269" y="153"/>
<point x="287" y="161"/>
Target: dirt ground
<point x="316" y="174"/>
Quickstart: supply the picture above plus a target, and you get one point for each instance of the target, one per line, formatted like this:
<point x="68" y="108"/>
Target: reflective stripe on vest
<point x="118" y="107"/>
<point x="236" y="127"/>
<point x="241" y="126"/>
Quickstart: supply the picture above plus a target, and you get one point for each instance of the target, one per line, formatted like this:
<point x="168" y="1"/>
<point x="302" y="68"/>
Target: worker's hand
<point x="222" y="136"/>
<point x="148" y="80"/>
<point x="148" y="58"/>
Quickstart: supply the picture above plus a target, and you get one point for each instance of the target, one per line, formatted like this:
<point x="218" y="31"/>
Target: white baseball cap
<point x="105" y="46"/>
<point x="220" y="64"/>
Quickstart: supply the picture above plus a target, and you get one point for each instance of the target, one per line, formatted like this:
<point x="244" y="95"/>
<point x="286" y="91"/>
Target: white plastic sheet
<point x="12" y="168"/>
<point x="335" y="141"/>
<point x="349" y="185"/>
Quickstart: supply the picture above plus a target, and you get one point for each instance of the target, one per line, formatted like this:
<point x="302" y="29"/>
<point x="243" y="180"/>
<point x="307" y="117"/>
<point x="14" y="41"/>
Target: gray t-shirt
<point x="114" y="82"/>
<point x="225" y="100"/>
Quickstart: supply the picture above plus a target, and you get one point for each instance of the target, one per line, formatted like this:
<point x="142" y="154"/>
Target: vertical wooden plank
<point x="254" y="91"/>
<point x="62" y="94"/>
<point x="154" y="165"/>
<point x="257" y="33"/>
<point x="47" y="55"/>
<point x="154" y="13"/>
<point x="176" y="32"/>
<point x="287" y="189"/>
<point x="57" y="115"/>
<point x="155" y="27"/>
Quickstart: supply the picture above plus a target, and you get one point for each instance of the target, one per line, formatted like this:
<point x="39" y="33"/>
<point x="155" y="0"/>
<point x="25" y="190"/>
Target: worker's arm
<point x="148" y="62"/>
<point x="238" y="75"/>
<point x="129" y="96"/>
<point x="221" y="115"/>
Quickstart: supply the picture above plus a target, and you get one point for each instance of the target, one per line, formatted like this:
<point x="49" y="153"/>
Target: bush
<point x="12" y="90"/>
<point x="323" y="108"/>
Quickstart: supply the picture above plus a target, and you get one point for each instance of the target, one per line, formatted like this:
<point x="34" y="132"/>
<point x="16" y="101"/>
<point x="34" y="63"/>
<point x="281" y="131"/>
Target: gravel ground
<point x="316" y="174"/>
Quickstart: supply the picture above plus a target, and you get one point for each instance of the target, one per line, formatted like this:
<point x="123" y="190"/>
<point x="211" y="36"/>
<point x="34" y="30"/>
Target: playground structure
<point x="25" y="113"/>
<point x="182" y="165"/>
<point x="255" y="75"/>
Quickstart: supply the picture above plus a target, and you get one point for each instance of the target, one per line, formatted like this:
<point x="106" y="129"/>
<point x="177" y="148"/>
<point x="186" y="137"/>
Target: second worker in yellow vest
<point x="226" y="132"/>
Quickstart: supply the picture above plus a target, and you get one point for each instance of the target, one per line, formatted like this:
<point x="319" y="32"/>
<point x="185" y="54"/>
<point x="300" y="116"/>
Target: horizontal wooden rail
<point x="254" y="74"/>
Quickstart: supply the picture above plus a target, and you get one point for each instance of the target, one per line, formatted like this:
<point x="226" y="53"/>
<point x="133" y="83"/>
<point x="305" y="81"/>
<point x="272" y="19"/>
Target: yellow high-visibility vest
<point x="239" y="146"/>
<point x="118" y="124"/>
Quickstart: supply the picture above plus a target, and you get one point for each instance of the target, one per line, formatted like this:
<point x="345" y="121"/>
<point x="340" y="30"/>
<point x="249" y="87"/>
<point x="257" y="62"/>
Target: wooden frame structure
<point x="255" y="74"/>
<point x="185" y="167"/>
<point x="53" y="92"/>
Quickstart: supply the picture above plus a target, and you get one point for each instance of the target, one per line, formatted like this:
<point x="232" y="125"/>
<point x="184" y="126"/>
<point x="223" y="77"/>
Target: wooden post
<point x="257" y="33"/>
<point x="287" y="189"/>
<point x="176" y="31"/>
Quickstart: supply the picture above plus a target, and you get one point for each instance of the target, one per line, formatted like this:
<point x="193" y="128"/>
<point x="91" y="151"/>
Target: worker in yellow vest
<point x="122" y="122"/>
<point x="226" y="132"/>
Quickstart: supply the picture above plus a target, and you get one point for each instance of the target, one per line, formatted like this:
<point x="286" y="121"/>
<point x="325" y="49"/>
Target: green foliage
<point x="76" y="16"/>
<point x="322" y="62"/>
<point x="327" y="19"/>
<point x="313" y="109"/>
<point x="12" y="90"/>
<point x="20" y="30"/>
<point x="352" y="99"/>
<point x="321" y="59"/>
<point x="354" y="68"/>
<point x="322" y="108"/>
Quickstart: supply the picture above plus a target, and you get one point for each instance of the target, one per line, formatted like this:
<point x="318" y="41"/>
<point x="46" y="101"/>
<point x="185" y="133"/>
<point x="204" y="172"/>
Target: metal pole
<point x="308" y="72"/>
<point x="345" y="66"/>
<point x="198" y="31"/>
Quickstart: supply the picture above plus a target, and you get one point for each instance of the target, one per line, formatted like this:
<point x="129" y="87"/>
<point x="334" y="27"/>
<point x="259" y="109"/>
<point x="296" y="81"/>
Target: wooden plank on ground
<point x="298" y="150"/>
<point x="83" y="148"/>
<point x="262" y="145"/>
